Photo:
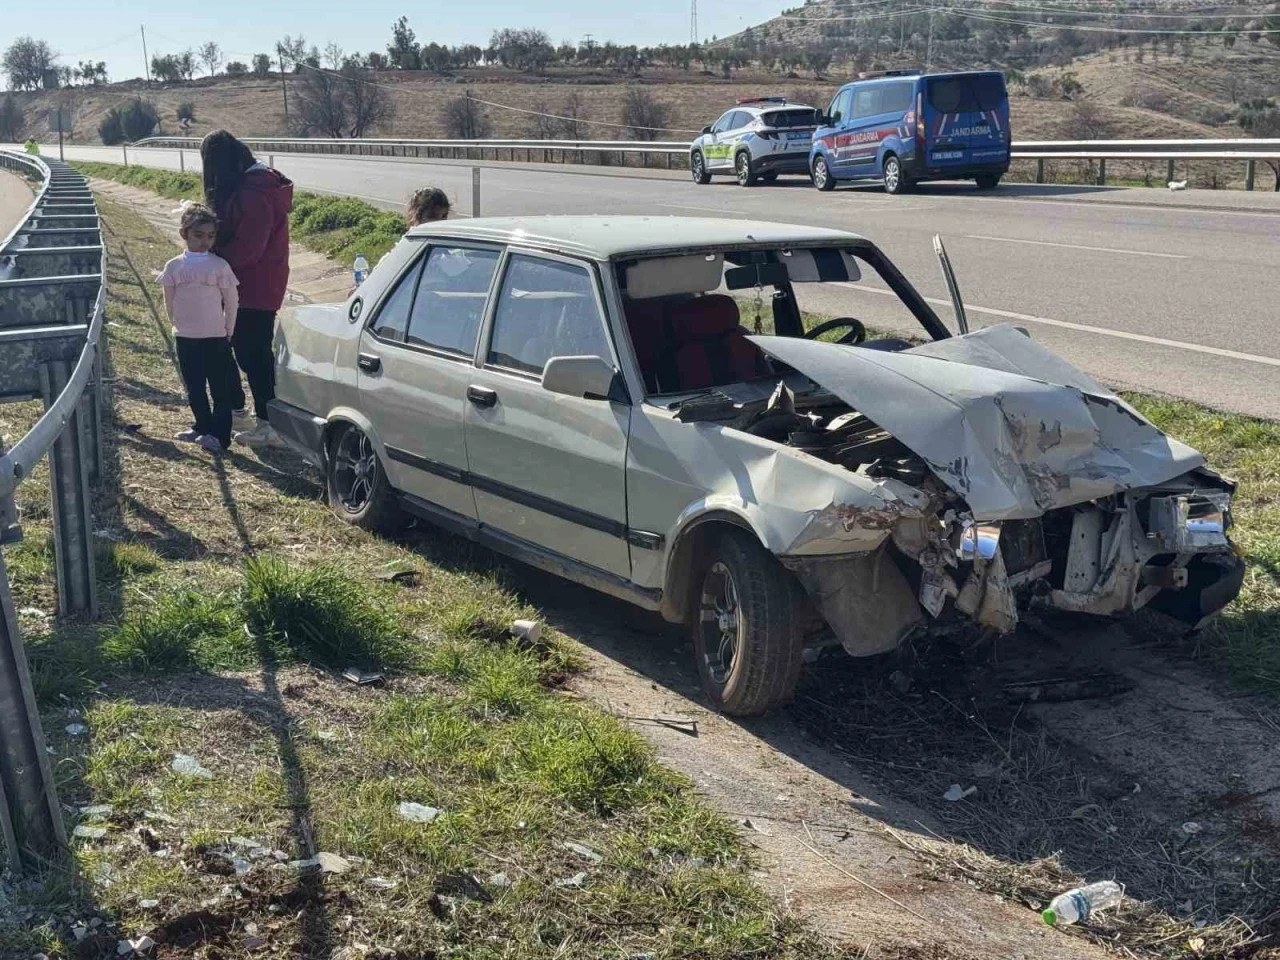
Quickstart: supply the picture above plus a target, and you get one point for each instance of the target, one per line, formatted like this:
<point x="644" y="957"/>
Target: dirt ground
<point x="15" y="197"/>
<point x="1095" y="750"/>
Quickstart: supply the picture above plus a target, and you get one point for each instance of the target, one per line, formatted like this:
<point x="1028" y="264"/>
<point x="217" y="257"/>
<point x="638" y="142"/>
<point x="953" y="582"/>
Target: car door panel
<point x="413" y="379"/>
<point x="548" y="468"/>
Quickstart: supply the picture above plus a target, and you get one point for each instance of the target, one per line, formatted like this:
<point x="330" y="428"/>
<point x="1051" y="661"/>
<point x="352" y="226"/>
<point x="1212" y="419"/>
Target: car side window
<point x="866" y="102"/>
<point x="451" y="297"/>
<point x="392" y="319"/>
<point x="722" y="124"/>
<point x="545" y="309"/>
<point x="839" y="109"/>
<point x="739" y="120"/>
<point x="896" y="97"/>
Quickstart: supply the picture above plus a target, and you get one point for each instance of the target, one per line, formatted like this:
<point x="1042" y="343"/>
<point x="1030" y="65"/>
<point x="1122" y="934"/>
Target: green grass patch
<point x="183" y="630"/>
<point x="339" y="227"/>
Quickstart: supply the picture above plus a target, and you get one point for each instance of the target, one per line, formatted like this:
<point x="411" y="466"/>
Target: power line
<point x="1018" y="9"/>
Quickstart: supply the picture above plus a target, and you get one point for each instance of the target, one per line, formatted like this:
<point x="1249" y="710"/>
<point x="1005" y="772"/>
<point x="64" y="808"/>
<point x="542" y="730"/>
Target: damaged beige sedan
<point x="597" y="396"/>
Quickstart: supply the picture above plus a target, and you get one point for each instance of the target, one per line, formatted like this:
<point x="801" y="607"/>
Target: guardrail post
<point x="475" y="191"/>
<point x="69" y="488"/>
<point x="1102" y="172"/>
<point x="1040" y="170"/>
<point x="182" y="161"/>
<point x="1169" y="172"/>
<point x="271" y="160"/>
<point x="1248" y="174"/>
<point x="30" y="817"/>
<point x="125" y="148"/>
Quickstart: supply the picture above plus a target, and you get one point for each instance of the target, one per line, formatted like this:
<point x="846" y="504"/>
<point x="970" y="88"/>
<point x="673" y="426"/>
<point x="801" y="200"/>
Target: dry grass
<point x="232" y="601"/>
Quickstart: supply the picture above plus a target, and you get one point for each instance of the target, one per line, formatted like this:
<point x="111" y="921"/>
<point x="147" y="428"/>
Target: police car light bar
<point x="873" y="74"/>
<point x="742" y="100"/>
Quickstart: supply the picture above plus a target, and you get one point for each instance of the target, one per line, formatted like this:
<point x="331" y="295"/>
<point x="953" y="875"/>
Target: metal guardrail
<point x="1171" y="151"/>
<point x="51" y="320"/>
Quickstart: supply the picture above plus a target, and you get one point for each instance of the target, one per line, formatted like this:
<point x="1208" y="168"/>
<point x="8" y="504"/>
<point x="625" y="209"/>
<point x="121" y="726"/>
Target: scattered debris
<point x="157" y="816"/>
<point x="326" y="735"/>
<point x="417" y="812"/>
<point x="76" y="729"/>
<point x="1191" y="828"/>
<point x="89" y="833"/>
<point x="253" y="943"/>
<point x="757" y="828"/>
<point x="79" y="931"/>
<point x="332" y="863"/>
<point x="682" y="724"/>
<point x="461" y="886"/>
<point x="955" y="792"/>
<point x="1064" y="689"/>
<point x="577" y="880"/>
<point x="97" y="812"/>
<point x="527" y="631"/>
<point x="382" y="883"/>
<point x="584" y="851"/>
<point x="190" y="767"/>
<point x="360" y="677"/>
<point x="148" y="904"/>
<point x="499" y="880"/>
<point x="404" y="577"/>
<point x="33" y="612"/>
<point x="1176" y="185"/>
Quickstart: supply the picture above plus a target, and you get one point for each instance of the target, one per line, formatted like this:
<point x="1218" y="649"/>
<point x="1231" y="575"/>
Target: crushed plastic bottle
<point x="1082" y="902"/>
<point x="361" y="268"/>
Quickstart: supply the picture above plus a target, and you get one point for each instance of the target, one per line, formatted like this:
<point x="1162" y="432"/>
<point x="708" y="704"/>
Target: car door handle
<point x="482" y="396"/>
<point x="369" y="363"/>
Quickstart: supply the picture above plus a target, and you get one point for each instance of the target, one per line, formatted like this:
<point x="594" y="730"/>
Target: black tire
<point x="747" y="638"/>
<point x="357" y="486"/>
<point x="769" y="177"/>
<point x="821" y="174"/>
<point x="698" y="168"/>
<point x="895" y="178"/>
<point x="988" y="181"/>
<point x="745" y="170"/>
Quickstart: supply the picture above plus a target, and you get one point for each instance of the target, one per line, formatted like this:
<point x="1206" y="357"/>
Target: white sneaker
<point x="241" y="418"/>
<point x="261" y="435"/>
<point x="211" y="443"/>
<point x="188" y="436"/>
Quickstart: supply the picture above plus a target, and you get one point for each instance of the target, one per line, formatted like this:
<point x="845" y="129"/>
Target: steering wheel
<point x="856" y="331"/>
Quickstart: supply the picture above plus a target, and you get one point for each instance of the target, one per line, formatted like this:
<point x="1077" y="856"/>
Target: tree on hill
<point x="466" y="119"/>
<point x="13" y="122"/>
<point x="340" y="103"/>
<point x="130" y="121"/>
<point x="237" y="68"/>
<point x="403" y="51"/>
<point x="293" y="52"/>
<point x="91" y="72"/>
<point x="166" y="68"/>
<point x="211" y="56"/>
<point x="26" y="62"/>
<point x="526" y="49"/>
<point x="262" y="65"/>
<point x="643" y="114"/>
<point x="334" y="56"/>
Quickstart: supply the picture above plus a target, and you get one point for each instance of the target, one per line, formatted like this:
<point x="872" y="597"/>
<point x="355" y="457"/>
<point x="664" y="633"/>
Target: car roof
<point x="612" y="237"/>
<point x="925" y="76"/>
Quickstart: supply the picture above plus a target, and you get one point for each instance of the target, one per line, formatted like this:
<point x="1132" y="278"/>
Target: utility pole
<point x="284" y="87"/>
<point x="146" y="62"/>
<point x="928" y="58"/>
<point x="693" y="23"/>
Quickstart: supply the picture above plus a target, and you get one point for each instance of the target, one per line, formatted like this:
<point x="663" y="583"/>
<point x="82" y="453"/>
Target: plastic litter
<point x="190" y="767"/>
<point x="1191" y="828"/>
<point x="76" y="729"/>
<point x="148" y="904"/>
<point x="89" y="833"/>
<point x="1080" y="903"/>
<point x="577" y="880"/>
<point x="417" y="812"/>
<point x="530" y="631"/>
<point x="499" y="880"/>
<point x="97" y="811"/>
<point x="955" y="792"/>
<point x="584" y="851"/>
<point x="382" y="883"/>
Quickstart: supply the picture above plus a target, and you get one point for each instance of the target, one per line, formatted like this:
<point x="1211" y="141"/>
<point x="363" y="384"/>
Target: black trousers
<point x="206" y="364"/>
<point x="255" y="330"/>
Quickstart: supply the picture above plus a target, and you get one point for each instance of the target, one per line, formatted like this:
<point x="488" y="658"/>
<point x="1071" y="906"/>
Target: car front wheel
<point x="698" y="168"/>
<point x="358" y="490"/>
<point x="989" y="181"/>
<point x="822" y="178"/>
<point x="746" y="636"/>
<point x="744" y="171"/>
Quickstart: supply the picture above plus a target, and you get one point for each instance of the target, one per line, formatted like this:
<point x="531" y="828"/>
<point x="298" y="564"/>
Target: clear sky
<point x="101" y="30"/>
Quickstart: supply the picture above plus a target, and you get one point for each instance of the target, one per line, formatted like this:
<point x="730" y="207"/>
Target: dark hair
<point x="426" y="204"/>
<point x="195" y="215"/>
<point x="225" y="159"/>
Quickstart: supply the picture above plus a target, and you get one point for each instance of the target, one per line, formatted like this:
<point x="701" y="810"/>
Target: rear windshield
<point x="967" y="94"/>
<point x="791" y="118"/>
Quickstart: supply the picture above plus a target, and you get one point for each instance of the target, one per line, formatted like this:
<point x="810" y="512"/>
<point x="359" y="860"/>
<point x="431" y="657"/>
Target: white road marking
<point x="1086" y="328"/>
<point x="1077" y="246"/>
<point x="694" y="206"/>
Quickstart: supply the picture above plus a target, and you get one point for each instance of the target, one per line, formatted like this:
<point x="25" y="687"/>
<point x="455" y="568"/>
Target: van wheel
<point x="822" y="178"/>
<point x="698" y="168"/>
<point x="988" y="181"/>
<point x="895" y="179"/>
<point x="746" y="637"/>
<point x="358" y="490"/>
<point x="745" y="172"/>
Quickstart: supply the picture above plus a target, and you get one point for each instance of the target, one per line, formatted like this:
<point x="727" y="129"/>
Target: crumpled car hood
<point x="1013" y="429"/>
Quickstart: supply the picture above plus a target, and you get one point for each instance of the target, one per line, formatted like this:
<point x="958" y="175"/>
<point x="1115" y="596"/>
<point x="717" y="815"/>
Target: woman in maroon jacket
<point x="252" y="202"/>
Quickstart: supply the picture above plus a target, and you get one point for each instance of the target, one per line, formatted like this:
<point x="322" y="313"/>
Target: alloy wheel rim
<point x="357" y="471"/>
<point x="744" y="170"/>
<point x="721" y="622"/>
<point x="697" y="166"/>
<point x="891" y="174"/>
<point x="820" y="173"/>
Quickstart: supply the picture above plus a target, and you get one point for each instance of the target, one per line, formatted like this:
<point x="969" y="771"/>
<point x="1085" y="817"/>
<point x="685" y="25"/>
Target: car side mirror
<point x="706" y="129"/>
<point x="591" y="377"/>
<point x="824" y="120"/>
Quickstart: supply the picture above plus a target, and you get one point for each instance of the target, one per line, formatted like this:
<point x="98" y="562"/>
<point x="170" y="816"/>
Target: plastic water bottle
<point x="1078" y="904"/>
<point x="361" y="268"/>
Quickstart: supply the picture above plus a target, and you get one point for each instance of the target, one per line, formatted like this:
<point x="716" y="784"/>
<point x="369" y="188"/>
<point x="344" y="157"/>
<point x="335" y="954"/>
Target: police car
<point x="758" y="139"/>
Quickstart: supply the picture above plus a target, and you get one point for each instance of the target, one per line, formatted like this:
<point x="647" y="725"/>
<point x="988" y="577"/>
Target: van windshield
<point x="967" y="94"/>
<point x="806" y="117"/>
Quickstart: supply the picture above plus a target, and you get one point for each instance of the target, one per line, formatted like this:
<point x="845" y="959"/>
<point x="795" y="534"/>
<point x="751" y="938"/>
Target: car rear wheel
<point x="359" y="492"/>
<point x="989" y="181"/>
<point x="746" y="637"/>
<point x="895" y="180"/>
<point x="822" y="178"/>
<point x="744" y="171"/>
<point x="698" y="168"/>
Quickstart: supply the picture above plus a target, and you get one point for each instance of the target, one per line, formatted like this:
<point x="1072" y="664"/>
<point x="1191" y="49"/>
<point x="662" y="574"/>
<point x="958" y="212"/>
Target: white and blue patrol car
<point x="758" y="139"/>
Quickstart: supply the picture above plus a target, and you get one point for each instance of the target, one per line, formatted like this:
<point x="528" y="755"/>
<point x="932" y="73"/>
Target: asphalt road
<point x="1174" y="293"/>
<point x="15" y="198"/>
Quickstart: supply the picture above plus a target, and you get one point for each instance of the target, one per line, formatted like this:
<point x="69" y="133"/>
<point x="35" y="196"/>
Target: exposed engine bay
<point x="1036" y="494"/>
